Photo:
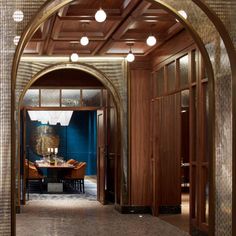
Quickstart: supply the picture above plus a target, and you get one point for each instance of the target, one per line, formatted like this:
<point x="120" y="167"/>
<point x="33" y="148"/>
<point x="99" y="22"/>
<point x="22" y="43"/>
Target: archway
<point x="103" y="173"/>
<point x="188" y="26"/>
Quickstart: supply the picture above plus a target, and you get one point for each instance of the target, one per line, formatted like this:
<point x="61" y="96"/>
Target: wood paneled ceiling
<point x="128" y="21"/>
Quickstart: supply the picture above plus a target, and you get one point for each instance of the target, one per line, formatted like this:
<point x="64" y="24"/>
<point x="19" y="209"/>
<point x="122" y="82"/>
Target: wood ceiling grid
<point x="128" y="21"/>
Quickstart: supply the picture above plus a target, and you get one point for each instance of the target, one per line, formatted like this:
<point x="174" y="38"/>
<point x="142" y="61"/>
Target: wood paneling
<point x="169" y="141"/>
<point x="140" y="162"/>
<point x="67" y="78"/>
<point x="101" y="166"/>
<point x="174" y="46"/>
<point x="127" y="22"/>
<point x="111" y="148"/>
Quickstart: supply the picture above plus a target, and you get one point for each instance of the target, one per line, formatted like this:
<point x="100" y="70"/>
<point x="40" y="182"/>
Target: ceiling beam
<point x="138" y="9"/>
<point x="128" y="10"/>
<point x="47" y="31"/>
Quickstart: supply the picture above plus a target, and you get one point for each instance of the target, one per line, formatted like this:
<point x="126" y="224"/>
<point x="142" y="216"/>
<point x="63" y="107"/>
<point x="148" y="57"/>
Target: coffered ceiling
<point x="128" y="21"/>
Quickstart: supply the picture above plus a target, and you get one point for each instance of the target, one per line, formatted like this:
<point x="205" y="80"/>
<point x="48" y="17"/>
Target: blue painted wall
<point x="77" y="141"/>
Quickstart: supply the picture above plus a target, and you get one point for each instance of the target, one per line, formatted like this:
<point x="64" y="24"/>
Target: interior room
<point x="165" y="73"/>
<point x="119" y="118"/>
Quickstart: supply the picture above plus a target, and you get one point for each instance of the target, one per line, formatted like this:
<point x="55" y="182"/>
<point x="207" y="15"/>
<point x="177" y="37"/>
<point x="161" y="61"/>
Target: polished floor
<point x="81" y="214"/>
<point x="180" y="220"/>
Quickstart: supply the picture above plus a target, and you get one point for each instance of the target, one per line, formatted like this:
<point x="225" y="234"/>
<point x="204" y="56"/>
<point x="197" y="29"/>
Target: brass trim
<point x="52" y="6"/>
<point x="78" y="66"/>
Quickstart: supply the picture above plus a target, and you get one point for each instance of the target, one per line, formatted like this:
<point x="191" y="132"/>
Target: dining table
<point x="55" y="173"/>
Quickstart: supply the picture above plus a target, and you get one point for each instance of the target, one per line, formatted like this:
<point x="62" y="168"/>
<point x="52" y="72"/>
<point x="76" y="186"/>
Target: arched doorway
<point x="108" y="181"/>
<point x="199" y="44"/>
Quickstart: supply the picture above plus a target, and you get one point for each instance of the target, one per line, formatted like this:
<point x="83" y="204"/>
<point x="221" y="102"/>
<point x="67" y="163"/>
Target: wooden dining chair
<point x="33" y="173"/>
<point x="76" y="176"/>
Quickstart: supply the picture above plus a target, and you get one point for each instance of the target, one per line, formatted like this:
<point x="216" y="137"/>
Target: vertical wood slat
<point x="140" y="143"/>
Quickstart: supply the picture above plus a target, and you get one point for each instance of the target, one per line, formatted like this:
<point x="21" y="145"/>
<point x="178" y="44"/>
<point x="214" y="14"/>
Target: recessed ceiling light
<point x="84" y="41"/>
<point x="18" y="16"/>
<point x="151" y="40"/>
<point x="100" y="15"/>
<point x="74" y="57"/>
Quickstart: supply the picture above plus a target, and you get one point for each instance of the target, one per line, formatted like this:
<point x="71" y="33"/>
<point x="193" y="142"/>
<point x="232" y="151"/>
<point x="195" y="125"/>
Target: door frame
<point x="107" y="84"/>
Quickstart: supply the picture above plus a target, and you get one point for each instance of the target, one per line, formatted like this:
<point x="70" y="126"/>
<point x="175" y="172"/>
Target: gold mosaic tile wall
<point x="223" y="99"/>
<point x="7" y="31"/>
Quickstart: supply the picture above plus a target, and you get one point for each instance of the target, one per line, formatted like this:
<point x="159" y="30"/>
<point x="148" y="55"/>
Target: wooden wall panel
<point x="169" y="151"/>
<point x="111" y="148"/>
<point x="140" y="96"/>
<point x="172" y="47"/>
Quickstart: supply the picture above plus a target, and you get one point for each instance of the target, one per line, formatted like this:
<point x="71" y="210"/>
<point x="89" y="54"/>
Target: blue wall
<point x="77" y="141"/>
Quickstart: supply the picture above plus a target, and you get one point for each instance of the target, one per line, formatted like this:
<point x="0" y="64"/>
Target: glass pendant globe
<point x="84" y="41"/>
<point x="151" y="40"/>
<point x="130" y="57"/>
<point x="100" y="15"/>
<point x="18" y="16"/>
<point x="74" y="57"/>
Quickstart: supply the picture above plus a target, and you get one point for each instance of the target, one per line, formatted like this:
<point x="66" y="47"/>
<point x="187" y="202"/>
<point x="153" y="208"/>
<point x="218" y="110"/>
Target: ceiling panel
<point x="128" y="21"/>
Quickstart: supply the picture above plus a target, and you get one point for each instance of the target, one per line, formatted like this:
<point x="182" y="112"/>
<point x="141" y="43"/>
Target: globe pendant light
<point x="130" y="57"/>
<point x="74" y="57"/>
<point x="84" y="41"/>
<point x="151" y="40"/>
<point x="100" y="15"/>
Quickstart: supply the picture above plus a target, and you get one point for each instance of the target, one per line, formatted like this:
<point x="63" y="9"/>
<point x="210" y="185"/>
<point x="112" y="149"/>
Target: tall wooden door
<point x="166" y="153"/>
<point x="101" y="152"/>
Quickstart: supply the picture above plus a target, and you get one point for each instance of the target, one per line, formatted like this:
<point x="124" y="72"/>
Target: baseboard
<point x="170" y="209"/>
<point x="133" y="209"/>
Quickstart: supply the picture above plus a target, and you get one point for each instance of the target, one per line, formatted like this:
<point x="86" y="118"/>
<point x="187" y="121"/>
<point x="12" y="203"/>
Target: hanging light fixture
<point x="100" y="15"/>
<point x="84" y="40"/>
<point x="130" y="57"/>
<point x="151" y="40"/>
<point x="74" y="57"/>
<point x="65" y="118"/>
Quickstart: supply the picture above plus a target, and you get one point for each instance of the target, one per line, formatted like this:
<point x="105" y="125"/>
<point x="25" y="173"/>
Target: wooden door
<point x="101" y="154"/>
<point x="166" y="154"/>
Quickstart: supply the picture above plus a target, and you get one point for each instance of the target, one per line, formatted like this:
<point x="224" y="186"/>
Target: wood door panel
<point x="166" y="152"/>
<point x="141" y="183"/>
<point x="101" y="156"/>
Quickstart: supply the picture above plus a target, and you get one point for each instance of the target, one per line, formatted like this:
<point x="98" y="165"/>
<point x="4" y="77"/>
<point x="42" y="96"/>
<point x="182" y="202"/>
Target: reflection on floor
<point x="78" y="214"/>
<point x="180" y="220"/>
